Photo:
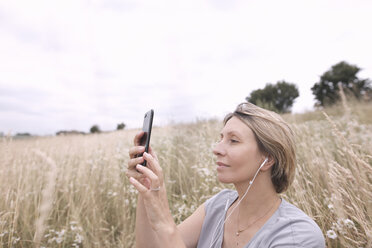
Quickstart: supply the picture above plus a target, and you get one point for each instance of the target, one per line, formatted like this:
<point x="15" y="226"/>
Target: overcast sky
<point x="72" y="64"/>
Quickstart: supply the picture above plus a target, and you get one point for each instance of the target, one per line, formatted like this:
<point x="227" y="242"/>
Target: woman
<point x="256" y="153"/>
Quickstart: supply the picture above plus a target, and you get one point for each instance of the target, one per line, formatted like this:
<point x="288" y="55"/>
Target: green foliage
<point x="277" y="97"/>
<point x="23" y="134"/>
<point x="326" y="91"/>
<point x="120" y="126"/>
<point x="95" y="129"/>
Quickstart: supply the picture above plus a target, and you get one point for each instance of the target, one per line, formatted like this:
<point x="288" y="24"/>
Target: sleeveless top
<point x="288" y="227"/>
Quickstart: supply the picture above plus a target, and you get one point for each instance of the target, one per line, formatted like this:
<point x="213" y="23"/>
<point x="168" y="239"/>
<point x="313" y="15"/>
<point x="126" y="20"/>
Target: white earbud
<point x="263" y="163"/>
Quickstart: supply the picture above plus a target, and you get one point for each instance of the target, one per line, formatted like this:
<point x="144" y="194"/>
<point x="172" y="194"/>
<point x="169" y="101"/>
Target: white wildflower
<point x="60" y="234"/>
<point x="59" y="240"/>
<point x="349" y="223"/>
<point x="331" y="234"/>
<point x="15" y="240"/>
<point x="340" y="226"/>
<point x="182" y="209"/>
<point x="216" y="190"/>
<point x="78" y="238"/>
<point x="4" y="233"/>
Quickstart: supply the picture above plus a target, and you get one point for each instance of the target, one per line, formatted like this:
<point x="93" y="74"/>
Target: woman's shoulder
<point x="222" y="198"/>
<point x="296" y="227"/>
<point x="296" y="216"/>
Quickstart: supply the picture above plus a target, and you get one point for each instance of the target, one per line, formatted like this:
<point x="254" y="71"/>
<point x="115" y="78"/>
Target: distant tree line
<point x="70" y="132"/>
<point x="94" y="129"/>
<point x="280" y="97"/>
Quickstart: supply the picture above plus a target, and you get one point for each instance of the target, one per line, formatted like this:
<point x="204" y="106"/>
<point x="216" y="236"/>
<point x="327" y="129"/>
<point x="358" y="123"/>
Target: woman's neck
<point x="260" y="198"/>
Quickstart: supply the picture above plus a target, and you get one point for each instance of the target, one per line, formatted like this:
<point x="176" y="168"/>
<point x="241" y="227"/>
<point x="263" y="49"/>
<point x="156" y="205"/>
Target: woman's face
<point x="238" y="155"/>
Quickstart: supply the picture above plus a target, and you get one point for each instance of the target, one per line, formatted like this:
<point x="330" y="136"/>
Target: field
<point x="71" y="191"/>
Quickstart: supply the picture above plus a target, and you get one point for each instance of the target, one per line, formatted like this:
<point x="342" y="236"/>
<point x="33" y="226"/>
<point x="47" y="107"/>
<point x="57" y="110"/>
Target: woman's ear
<point x="269" y="163"/>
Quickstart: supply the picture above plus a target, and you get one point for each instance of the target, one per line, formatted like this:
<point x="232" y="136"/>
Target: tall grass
<point x="71" y="191"/>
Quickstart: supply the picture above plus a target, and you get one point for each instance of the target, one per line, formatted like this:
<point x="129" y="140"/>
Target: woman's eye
<point x="234" y="141"/>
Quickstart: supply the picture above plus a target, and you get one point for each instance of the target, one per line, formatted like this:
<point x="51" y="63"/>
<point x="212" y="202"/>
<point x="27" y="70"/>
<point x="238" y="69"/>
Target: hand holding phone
<point x="147" y="127"/>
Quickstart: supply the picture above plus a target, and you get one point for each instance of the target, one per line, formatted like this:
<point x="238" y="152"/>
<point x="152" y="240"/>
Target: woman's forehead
<point x="236" y="126"/>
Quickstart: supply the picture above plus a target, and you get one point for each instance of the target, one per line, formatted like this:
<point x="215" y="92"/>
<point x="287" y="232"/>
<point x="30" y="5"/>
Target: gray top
<point x="288" y="227"/>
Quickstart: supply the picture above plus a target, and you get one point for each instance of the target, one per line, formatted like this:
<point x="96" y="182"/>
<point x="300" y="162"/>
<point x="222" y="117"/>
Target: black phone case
<point x="147" y="127"/>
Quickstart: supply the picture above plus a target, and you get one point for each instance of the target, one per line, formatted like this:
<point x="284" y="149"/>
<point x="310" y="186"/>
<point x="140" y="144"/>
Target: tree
<point x="120" y="126"/>
<point x="95" y="129"/>
<point x="277" y="97"/>
<point x="23" y="134"/>
<point x="326" y="91"/>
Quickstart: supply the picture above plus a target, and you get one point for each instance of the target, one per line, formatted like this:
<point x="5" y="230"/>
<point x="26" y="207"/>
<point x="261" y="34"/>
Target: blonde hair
<point x="274" y="137"/>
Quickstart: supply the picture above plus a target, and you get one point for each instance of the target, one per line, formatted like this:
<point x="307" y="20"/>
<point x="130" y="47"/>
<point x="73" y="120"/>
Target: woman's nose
<point x="218" y="149"/>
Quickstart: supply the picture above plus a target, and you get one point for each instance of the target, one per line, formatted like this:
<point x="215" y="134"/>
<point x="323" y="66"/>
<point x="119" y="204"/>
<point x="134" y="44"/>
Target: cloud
<point x="72" y="64"/>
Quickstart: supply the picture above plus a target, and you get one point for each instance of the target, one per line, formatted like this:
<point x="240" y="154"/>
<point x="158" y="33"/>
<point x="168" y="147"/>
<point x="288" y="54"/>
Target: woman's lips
<point x="222" y="165"/>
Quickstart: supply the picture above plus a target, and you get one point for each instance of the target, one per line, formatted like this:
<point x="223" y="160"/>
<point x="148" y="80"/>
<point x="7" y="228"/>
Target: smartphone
<point x="147" y="126"/>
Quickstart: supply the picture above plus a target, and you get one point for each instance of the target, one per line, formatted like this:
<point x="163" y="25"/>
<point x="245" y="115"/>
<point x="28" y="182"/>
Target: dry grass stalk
<point x="46" y="198"/>
<point x="343" y="99"/>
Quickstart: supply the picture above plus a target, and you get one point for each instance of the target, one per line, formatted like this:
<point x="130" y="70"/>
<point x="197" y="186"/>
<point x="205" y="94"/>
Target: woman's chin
<point x="224" y="179"/>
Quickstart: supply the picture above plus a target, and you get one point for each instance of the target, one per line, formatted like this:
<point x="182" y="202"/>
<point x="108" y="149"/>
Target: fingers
<point x="152" y="174"/>
<point x="152" y="152"/>
<point x="153" y="164"/>
<point x="155" y="182"/>
<point x="136" y="150"/>
<point x="134" y="161"/>
<point x="141" y="188"/>
<point x="134" y="173"/>
<point x="138" y="137"/>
